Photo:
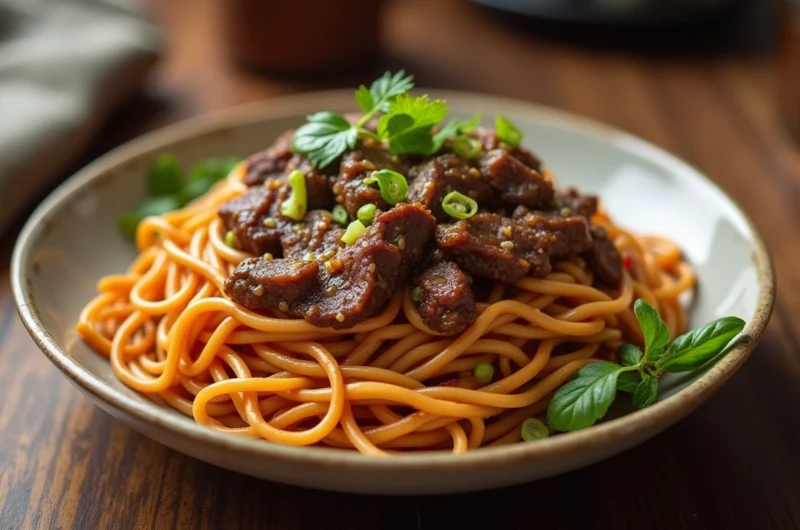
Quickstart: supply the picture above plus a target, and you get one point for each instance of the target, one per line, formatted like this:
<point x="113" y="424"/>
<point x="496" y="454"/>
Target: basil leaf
<point x="165" y="176"/>
<point x="629" y="355"/>
<point x="645" y="393"/>
<point x="324" y="138"/>
<point x="585" y="398"/>
<point x="656" y="334"/>
<point x="627" y="382"/>
<point x="695" y="348"/>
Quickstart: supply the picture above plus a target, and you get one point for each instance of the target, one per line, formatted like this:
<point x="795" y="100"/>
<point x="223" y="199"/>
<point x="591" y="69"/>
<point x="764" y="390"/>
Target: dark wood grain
<point x="732" y="464"/>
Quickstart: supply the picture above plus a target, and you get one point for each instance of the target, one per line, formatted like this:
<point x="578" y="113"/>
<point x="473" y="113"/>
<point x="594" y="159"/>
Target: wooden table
<point x="732" y="464"/>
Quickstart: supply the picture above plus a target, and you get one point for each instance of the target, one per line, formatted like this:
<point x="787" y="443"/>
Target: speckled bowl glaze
<point x="71" y="240"/>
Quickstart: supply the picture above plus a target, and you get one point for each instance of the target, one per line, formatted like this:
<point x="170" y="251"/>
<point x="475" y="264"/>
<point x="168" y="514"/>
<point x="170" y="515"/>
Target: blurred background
<point x="78" y="77"/>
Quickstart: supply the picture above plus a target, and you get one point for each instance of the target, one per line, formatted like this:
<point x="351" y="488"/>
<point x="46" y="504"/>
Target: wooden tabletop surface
<point x="707" y="96"/>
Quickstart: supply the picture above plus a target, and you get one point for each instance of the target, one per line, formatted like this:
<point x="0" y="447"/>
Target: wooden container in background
<point x="302" y="36"/>
<point x="789" y="69"/>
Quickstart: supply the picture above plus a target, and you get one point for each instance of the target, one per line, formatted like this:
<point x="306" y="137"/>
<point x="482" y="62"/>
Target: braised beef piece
<point x="317" y="237"/>
<point x="351" y="286"/>
<point x="504" y="249"/>
<point x="271" y="162"/>
<point x="349" y="187"/>
<point x="433" y="180"/>
<point x="489" y="140"/>
<point x="514" y="181"/>
<point x="258" y="283"/>
<point x="252" y="219"/>
<point x="575" y="203"/>
<point x="603" y="257"/>
<point x="446" y="303"/>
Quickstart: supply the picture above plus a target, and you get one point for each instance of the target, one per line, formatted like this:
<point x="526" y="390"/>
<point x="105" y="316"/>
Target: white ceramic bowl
<point x="71" y="240"/>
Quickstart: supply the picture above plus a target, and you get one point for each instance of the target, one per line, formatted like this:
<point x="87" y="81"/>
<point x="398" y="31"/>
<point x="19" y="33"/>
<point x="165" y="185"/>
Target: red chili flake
<point x="450" y="382"/>
<point x="627" y="262"/>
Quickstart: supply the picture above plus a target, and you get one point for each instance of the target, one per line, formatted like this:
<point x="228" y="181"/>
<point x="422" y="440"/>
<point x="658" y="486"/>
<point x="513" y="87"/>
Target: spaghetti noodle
<point x="390" y="383"/>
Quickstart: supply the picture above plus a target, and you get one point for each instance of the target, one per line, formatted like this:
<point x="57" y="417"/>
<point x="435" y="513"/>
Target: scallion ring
<point x="354" y="230"/>
<point x="416" y="294"/>
<point x="533" y="429"/>
<point x="393" y="185"/>
<point x="340" y="215"/>
<point x="459" y="206"/>
<point x="466" y="147"/>
<point x="296" y="205"/>
<point x="366" y="213"/>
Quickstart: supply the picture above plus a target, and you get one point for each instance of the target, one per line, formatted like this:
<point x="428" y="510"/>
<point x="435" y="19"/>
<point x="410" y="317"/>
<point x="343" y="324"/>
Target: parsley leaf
<point x="324" y="138"/>
<point x="376" y="98"/>
<point x="408" y="123"/>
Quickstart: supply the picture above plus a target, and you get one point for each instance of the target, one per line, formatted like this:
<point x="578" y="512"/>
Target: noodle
<point x="388" y="384"/>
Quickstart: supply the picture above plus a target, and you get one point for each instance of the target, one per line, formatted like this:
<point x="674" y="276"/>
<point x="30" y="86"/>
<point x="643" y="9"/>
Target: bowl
<point x="71" y="240"/>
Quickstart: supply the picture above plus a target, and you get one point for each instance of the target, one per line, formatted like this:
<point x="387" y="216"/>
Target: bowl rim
<point x="659" y="415"/>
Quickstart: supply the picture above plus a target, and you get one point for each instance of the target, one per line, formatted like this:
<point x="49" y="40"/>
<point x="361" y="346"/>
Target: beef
<point x="252" y="219"/>
<point x="271" y="162"/>
<point x="258" y="283"/>
<point x="349" y="187"/>
<point x="446" y="303"/>
<point x="489" y="141"/>
<point x="514" y="181"/>
<point x="317" y="237"/>
<point x="433" y="180"/>
<point x="603" y="257"/>
<point x="504" y="249"/>
<point x="571" y="202"/>
<point x="354" y="284"/>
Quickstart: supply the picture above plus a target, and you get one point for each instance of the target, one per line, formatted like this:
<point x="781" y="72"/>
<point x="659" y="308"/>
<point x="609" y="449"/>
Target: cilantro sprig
<point x="586" y="397"/>
<point x="406" y="124"/>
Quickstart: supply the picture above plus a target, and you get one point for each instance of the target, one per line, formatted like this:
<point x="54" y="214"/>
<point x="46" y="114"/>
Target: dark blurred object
<point x="608" y="12"/>
<point x="302" y="36"/>
<point x="789" y="69"/>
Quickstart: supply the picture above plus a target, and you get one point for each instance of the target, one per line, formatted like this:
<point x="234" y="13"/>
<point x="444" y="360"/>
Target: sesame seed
<point x="437" y="255"/>
<point x="508" y="245"/>
<point x="331" y="290"/>
<point x="507" y="231"/>
<point x="328" y="254"/>
<point x="474" y="172"/>
<point x="309" y="257"/>
<point x="369" y="166"/>
<point x="401" y="242"/>
<point x="269" y="222"/>
<point x="297" y="264"/>
<point x="371" y="267"/>
<point x="333" y="266"/>
<point x="440" y="280"/>
<point x="340" y="317"/>
<point x="283" y="306"/>
<point x="267" y="256"/>
<point x="259" y="290"/>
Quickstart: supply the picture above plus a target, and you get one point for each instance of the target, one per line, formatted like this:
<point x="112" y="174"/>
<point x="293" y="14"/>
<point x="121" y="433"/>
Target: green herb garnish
<point x="393" y="185"/>
<point x="353" y="232"/>
<point x="533" y="429"/>
<point x="507" y="131"/>
<point x="466" y="147"/>
<point x="586" y="397"/>
<point x="366" y="213"/>
<point x="459" y="206"/>
<point x="416" y="294"/>
<point x="296" y="205"/>
<point x="340" y="215"/>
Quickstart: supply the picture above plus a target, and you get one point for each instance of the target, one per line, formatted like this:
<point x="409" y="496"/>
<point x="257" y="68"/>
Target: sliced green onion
<point x="230" y="239"/>
<point x="366" y="213"/>
<point x="165" y="176"/>
<point x="483" y="373"/>
<point x="459" y="206"/>
<point x="416" y="294"/>
<point x="393" y="185"/>
<point x="466" y="147"/>
<point x="354" y="230"/>
<point x="295" y="206"/>
<point x="507" y="131"/>
<point x="533" y="429"/>
<point x="340" y="215"/>
<point x="469" y="125"/>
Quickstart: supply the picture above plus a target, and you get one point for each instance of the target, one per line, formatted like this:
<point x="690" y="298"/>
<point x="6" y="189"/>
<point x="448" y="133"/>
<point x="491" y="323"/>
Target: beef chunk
<point x="349" y="187"/>
<point x="352" y="285"/>
<point x="575" y="203"/>
<point x="258" y="283"/>
<point x="270" y="163"/>
<point x="245" y="216"/>
<point x="503" y="249"/>
<point x="514" y="181"/>
<point x="317" y="237"/>
<point x="446" y="301"/>
<point x="603" y="257"/>
<point x="436" y="178"/>
<point x="489" y="140"/>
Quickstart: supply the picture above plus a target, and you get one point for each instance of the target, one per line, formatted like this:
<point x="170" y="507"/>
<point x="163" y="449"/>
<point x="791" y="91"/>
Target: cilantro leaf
<point x="383" y="90"/>
<point x="408" y="123"/>
<point x="324" y="138"/>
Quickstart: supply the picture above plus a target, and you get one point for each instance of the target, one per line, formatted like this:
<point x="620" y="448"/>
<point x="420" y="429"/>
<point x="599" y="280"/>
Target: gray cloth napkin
<point x="64" y="66"/>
